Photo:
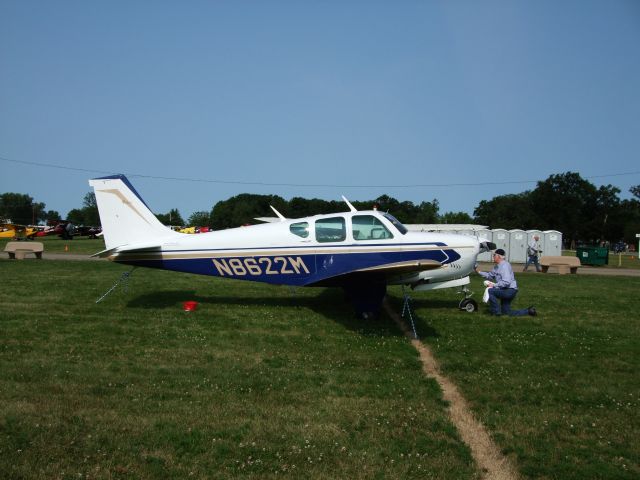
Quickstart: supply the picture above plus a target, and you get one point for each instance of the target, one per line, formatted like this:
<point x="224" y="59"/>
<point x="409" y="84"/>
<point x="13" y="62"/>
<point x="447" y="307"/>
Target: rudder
<point x="126" y="219"/>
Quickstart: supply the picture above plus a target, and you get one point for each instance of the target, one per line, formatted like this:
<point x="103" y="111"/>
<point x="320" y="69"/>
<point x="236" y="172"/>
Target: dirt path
<point x="487" y="455"/>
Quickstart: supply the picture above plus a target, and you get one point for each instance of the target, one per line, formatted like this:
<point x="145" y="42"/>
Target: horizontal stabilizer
<point x="105" y="253"/>
<point x="128" y="249"/>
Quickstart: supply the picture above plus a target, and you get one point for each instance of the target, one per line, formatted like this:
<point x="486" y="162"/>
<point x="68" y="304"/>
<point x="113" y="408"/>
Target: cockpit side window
<point x="368" y="227"/>
<point x="396" y="223"/>
<point x="331" y="230"/>
<point x="300" y="229"/>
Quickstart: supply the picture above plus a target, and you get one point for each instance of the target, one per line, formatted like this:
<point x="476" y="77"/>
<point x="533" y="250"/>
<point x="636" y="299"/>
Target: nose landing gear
<point x="467" y="303"/>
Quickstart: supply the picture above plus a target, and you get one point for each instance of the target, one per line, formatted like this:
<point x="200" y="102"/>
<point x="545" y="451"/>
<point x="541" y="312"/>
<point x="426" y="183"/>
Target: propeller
<point x="487" y="246"/>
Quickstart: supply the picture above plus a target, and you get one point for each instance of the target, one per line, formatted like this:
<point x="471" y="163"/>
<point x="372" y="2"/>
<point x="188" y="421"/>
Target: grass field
<point x="560" y="391"/>
<point x="259" y="382"/>
<point x="266" y="382"/>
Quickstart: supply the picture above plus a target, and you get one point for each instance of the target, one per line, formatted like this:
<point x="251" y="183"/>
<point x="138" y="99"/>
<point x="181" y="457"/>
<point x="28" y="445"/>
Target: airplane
<point x="17" y="232"/>
<point x="193" y="229"/>
<point x="190" y="230"/>
<point x="360" y="251"/>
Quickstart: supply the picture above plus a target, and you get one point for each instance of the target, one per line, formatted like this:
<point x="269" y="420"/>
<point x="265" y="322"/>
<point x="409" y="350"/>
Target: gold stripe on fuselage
<point x="190" y="254"/>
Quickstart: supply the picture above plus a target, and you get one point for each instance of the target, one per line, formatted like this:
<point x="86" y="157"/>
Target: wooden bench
<point x="563" y="264"/>
<point x="18" y="250"/>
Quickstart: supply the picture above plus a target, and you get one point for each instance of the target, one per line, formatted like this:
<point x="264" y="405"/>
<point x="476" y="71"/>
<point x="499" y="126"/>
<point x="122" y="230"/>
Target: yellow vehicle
<point x="11" y="230"/>
<point x="6" y="231"/>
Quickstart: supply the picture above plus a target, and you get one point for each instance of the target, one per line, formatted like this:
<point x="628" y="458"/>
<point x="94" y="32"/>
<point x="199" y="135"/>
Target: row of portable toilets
<point x="513" y="242"/>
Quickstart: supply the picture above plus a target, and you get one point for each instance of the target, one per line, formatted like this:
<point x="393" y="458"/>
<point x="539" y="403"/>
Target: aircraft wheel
<point x="468" y="305"/>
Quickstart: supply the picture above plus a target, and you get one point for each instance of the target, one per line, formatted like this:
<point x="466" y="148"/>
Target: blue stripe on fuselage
<point x="292" y="268"/>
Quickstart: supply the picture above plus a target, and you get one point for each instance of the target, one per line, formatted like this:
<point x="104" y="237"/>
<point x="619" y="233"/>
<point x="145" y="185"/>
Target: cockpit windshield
<point x="396" y="223"/>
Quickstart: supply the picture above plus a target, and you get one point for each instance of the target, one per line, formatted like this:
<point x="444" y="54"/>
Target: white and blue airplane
<point x="361" y="251"/>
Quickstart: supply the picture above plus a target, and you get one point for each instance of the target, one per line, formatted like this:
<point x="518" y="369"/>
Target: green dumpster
<point x="593" y="255"/>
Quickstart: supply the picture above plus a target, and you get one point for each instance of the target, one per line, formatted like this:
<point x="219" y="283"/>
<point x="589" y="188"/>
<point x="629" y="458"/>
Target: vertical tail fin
<point x="125" y="218"/>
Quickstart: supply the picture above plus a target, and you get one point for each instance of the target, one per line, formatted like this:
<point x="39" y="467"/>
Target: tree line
<point x="565" y="202"/>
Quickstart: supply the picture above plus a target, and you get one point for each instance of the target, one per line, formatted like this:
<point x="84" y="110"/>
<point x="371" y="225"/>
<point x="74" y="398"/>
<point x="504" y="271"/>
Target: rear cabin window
<point x="300" y="229"/>
<point x="368" y="227"/>
<point x="331" y="230"/>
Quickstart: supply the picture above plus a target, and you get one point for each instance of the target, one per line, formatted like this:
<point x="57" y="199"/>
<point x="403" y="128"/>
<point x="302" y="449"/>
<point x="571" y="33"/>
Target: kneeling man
<point x="503" y="287"/>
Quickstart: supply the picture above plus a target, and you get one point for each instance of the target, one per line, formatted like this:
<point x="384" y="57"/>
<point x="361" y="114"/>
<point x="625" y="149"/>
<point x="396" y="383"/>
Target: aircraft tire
<point x="468" y="305"/>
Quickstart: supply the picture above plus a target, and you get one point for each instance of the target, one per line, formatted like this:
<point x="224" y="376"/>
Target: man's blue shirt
<point x="502" y="275"/>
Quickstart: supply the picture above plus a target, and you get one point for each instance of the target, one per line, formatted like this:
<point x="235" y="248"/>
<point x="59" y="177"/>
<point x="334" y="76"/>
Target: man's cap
<point x="500" y="252"/>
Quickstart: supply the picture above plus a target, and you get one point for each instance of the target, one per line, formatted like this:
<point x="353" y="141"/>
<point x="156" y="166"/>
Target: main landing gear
<point x="366" y="298"/>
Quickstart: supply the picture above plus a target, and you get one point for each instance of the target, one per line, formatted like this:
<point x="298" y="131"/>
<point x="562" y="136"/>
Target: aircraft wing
<point x="402" y="268"/>
<point x="14" y="226"/>
<point x="388" y="271"/>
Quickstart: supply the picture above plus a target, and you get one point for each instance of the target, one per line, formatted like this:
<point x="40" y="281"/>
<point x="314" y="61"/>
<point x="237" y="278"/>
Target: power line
<point x="303" y="185"/>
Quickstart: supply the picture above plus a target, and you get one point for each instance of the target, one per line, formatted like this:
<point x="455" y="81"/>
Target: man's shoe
<point x="532" y="311"/>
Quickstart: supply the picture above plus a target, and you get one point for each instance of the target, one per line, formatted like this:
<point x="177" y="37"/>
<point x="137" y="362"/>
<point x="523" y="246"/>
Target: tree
<point x="406" y="212"/>
<point x="52" y="216"/>
<point x="76" y="216"/>
<point x="566" y="202"/>
<point x="427" y="213"/>
<point x="37" y="213"/>
<point x="300" y="207"/>
<point x="244" y="208"/>
<point x="199" y="219"/>
<point x="88" y="214"/>
<point x="563" y="202"/>
<point x="460" y="218"/>
<point x="20" y="208"/>
<point x="389" y="204"/>
<point x="606" y="221"/>
<point x="630" y="212"/>
<point x="507" y="211"/>
<point x="171" y="218"/>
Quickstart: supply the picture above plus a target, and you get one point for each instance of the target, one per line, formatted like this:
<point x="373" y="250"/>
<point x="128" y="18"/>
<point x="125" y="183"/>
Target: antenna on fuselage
<point x="351" y="207"/>
<point x="280" y="216"/>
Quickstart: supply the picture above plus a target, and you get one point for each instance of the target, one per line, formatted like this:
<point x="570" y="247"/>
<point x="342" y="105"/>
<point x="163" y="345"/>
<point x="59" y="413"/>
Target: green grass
<point x="54" y="244"/>
<point x="258" y="382"/>
<point x="266" y="382"/>
<point x="560" y="391"/>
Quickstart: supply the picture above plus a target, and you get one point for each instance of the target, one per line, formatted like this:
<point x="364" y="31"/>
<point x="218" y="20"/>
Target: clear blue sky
<point x="361" y="98"/>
